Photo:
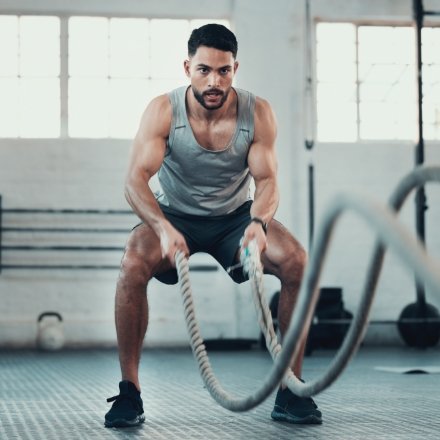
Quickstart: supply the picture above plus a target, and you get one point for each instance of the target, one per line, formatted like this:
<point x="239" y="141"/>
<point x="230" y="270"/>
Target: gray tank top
<point x="198" y="181"/>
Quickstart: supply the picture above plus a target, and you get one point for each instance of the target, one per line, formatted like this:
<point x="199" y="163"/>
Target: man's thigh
<point x="282" y="248"/>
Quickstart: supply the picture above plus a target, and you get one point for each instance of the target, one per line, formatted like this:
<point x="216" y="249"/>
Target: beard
<point x="200" y="97"/>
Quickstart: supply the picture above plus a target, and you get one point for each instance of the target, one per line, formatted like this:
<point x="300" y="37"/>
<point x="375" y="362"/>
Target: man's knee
<point x="299" y="256"/>
<point x="293" y="264"/>
<point x="141" y="258"/>
<point x="135" y="268"/>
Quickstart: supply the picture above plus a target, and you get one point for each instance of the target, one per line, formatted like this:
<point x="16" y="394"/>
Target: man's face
<point x="211" y="72"/>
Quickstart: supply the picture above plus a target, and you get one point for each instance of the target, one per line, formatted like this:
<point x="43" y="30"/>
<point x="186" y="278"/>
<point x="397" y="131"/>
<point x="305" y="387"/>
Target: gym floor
<point x="62" y="395"/>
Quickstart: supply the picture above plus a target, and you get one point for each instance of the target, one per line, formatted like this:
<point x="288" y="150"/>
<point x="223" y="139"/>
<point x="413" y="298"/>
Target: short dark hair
<point x="212" y="35"/>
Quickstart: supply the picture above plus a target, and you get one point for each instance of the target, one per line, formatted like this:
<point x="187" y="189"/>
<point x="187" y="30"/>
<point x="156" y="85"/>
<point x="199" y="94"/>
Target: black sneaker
<point x="294" y="409"/>
<point x="128" y="408"/>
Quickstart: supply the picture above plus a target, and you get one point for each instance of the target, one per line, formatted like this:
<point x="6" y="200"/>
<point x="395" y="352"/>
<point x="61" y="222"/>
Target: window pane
<point x="117" y="66"/>
<point x="9" y="107"/>
<point x="431" y="84"/>
<point x="8" y="45"/>
<point x="336" y="82"/>
<point x="39" y="107"/>
<point x="336" y="41"/>
<point x="88" y="107"/>
<point x="129" y="47"/>
<point x="88" y="46"/>
<point x="387" y="82"/>
<point x="128" y="99"/>
<point x="337" y="124"/>
<point x="431" y="113"/>
<point x="334" y="70"/>
<point x="432" y="131"/>
<point x="381" y="73"/>
<point x="168" y="48"/>
<point x="387" y="121"/>
<point x="431" y="77"/>
<point x="328" y="94"/>
<point x="430" y="45"/>
<point x="39" y="46"/>
<point x="386" y="44"/>
<point x="386" y="79"/>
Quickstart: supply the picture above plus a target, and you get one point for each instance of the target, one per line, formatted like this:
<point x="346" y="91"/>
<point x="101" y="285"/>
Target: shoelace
<point x="120" y="397"/>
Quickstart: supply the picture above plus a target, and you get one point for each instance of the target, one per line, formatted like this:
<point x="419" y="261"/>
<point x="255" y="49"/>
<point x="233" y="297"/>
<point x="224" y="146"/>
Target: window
<point x="29" y="76"/>
<point x="366" y="82"/>
<point x="112" y="68"/>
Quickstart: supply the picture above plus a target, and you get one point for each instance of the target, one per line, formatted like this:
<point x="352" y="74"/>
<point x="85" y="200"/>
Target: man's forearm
<point x="144" y="204"/>
<point x="266" y="200"/>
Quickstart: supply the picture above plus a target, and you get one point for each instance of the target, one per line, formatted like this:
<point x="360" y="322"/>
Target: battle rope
<point x="251" y="263"/>
<point x="389" y="230"/>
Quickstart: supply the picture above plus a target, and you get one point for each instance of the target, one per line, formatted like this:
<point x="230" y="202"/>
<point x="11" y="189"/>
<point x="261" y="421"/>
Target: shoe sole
<point x="122" y="423"/>
<point x="284" y="417"/>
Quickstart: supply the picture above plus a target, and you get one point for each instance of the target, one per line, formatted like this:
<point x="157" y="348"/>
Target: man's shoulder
<point x="243" y="92"/>
<point x="178" y="91"/>
<point x="260" y="102"/>
<point x="160" y="103"/>
<point x="167" y="97"/>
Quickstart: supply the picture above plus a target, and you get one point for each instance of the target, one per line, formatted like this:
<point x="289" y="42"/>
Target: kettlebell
<point x="50" y="332"/>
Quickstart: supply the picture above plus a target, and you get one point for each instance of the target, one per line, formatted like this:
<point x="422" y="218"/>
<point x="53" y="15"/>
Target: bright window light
<point x="29" y="76"/>
<point x="115" y="66"/>
<point x="39" y="46"/>
<point x="8" y="46"/>
<point x="88" y="47"/>
<point x="336" y="88"/>
<point x="129" y="48"/>
<point x="168" y="54"/>
<point x="9" y="111"/>
<point x="88" y="107"/>
<point x="39" y="103"/>
<point x="366" y="89"/>
<point x="128" y="98"/>
<point x="387" y="100"/>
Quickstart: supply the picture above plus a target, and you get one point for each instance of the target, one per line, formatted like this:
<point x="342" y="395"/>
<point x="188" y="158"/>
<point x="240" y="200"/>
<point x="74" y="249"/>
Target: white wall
<point x="75" y="173"/>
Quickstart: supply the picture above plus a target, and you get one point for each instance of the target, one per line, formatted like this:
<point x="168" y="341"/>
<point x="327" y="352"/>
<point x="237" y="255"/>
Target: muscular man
<point x="206" y="142"/>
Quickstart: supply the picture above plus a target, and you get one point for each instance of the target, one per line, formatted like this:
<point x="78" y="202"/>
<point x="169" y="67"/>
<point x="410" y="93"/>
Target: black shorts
<point x="218" y="236"/>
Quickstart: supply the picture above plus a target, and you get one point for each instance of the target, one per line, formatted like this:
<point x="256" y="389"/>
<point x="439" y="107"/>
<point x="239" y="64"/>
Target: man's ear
<point x="236" y="64"/>
<point x="186" y="66"/>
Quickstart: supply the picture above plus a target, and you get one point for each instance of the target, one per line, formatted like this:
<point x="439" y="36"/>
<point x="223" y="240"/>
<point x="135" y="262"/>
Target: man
<point x="206" y="141"/>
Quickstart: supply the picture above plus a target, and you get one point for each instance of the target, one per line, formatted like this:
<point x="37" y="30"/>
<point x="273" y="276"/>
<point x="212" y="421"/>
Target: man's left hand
<point x="255" y="231"/>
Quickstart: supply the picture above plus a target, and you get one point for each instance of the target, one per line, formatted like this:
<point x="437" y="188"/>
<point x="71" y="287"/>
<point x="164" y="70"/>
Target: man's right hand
<point x="171" y="241"/>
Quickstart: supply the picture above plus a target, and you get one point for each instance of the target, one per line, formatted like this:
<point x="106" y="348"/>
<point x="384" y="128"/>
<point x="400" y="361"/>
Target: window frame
<point x="64" y="56"/>
<point x="357" y="24"/>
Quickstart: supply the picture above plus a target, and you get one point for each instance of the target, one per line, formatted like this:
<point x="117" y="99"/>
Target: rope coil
<point x="389" y="231"/>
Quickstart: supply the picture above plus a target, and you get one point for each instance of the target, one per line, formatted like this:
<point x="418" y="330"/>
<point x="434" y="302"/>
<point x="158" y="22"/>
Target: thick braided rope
<point x="389" y="232"/>
<point x="251" y="262"/>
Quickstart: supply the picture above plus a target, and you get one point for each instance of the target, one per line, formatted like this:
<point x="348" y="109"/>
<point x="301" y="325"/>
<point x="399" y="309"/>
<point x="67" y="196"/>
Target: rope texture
<point x="389" y="232"/>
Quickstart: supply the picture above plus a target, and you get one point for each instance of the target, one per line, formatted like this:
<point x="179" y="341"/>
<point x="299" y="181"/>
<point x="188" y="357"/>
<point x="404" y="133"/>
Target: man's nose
<point x="214" y="80"/>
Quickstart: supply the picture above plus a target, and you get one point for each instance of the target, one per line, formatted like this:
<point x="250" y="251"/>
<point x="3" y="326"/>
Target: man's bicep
<point x="147" y="155"/>
<point x="262" y="161"/>
<point x="262" y="155"/>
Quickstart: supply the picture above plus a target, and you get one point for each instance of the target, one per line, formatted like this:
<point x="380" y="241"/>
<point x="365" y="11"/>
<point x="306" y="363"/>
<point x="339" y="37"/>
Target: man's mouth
<point x="213" y="94"/>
